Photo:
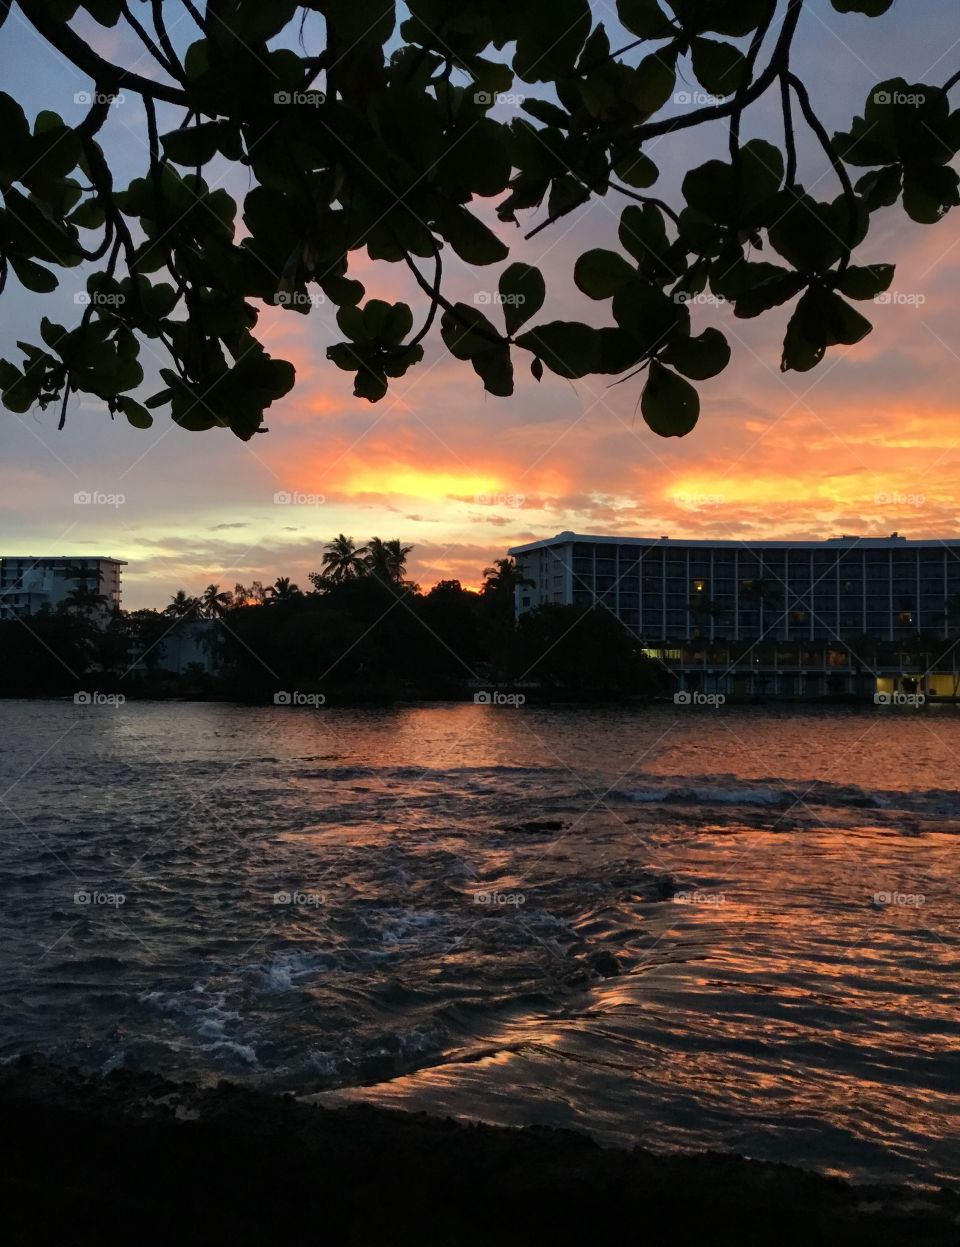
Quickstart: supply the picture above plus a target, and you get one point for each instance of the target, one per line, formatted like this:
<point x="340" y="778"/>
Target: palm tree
<point x="502" y="578"/>
<point x="181" y="605"/>
<point x="82" y="600"/>
<point x="283" y="591"/>
<point x="397" y="560"/>
<point x="378" y="559"/>
<point x="214" y="604"/>
<point x="343" y="560"/>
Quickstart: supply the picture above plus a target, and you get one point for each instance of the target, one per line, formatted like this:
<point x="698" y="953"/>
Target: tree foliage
<point x="385" y="141"/>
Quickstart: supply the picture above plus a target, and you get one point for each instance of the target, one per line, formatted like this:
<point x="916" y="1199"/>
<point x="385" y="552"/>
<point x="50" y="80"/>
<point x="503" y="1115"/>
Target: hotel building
<point x="28" y="584"/>
<point x="849" y="615"/>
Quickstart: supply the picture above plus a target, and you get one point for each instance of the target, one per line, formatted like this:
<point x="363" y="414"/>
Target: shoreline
<point x="146" y="1155"/>
<point x="534" y="699"/>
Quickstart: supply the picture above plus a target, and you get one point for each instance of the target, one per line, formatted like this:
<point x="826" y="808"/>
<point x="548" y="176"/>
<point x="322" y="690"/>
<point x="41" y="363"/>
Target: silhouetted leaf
<point x="522" y="292"/>
<point x="670" y="405"/>
<point x="600" y="274"/>
<point x="699" y="358"/>
<point x="567" y="348"/>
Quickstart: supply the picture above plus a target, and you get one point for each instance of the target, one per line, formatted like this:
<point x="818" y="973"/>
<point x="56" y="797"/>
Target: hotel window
<point x="904" y="618"/>
<point x="699" y="586"/>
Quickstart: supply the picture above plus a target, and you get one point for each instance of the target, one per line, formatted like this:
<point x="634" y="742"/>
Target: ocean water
<point x="733" y="928"/>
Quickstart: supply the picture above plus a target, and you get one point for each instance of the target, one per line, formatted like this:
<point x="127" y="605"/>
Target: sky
<point x="867" y="443"/>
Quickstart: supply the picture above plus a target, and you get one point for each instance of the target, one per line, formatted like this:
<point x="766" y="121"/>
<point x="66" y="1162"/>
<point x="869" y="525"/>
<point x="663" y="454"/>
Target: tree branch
<point x="171" y="67"/>
<point x="815" y="124"/>
<point x="105" y="74"/>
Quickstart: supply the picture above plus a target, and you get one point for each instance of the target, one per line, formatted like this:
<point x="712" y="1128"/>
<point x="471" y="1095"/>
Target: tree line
<point x="363" y="629"/>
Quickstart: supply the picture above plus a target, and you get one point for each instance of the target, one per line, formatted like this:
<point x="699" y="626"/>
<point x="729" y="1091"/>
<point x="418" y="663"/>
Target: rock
<point x="605" y="964"/>
<point x="537" y="827"/>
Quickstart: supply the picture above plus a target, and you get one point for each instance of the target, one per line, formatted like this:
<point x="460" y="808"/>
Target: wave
<point x="773" y="793"/>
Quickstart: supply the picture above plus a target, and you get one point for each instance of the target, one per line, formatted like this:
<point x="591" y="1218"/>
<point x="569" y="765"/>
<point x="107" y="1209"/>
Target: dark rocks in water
<point x="234" y="1166"/>
<point x="666" y="886"/>
<point x="537" y="826"/>
<point x="605" y="964"/>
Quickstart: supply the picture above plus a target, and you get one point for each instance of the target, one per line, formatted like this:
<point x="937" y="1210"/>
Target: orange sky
<point x="866" y="443"/>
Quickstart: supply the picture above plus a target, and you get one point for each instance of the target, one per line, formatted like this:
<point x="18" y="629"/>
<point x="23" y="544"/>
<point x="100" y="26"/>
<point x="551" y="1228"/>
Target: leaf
<point x="642" y="232"/>
<point x="644" y="18"/>
<point x="762" y="171"/>
<point x="88" y="215"/>
<point x="468" y="333"/>
<point x="651" y="317"/>
<point x="195" y="145"/>
<point x="872" y="8"/>
<point x="550" y="37"/>
<point x="371" y="383"/>
<point x="821" y="319"/>
<point x="469" y="237"/>
<point x="881" y="188"/>
<point x="653" y="81"/>
<point x="33" y="276"/>
<point x="522" y="294"/>
<point x="495" y="369"/>
<point x="720" y="67"/>
<point x="636" y="169"/>
<point x="670" y="405"/>
<point x="699" y="358"/>
<point x="929" y="192"/>
<point x="866" y="282"/>
<point x="137" y="414"/>
<point x="567" y="348"/>
<point x="600" y="274"/>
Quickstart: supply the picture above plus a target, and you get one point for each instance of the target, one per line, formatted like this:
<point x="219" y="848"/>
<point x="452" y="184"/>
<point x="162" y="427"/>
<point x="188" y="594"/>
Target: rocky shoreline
<point x="134" y="1156"/>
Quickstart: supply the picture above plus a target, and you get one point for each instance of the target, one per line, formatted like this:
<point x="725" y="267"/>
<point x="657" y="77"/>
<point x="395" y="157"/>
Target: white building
<point x="784" y="617"/>
<point x="28" y="584"/>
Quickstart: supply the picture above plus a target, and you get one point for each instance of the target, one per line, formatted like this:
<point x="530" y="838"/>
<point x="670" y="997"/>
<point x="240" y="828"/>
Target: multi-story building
<point x="846" y="615"/>
<point x="29" y="584"/>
